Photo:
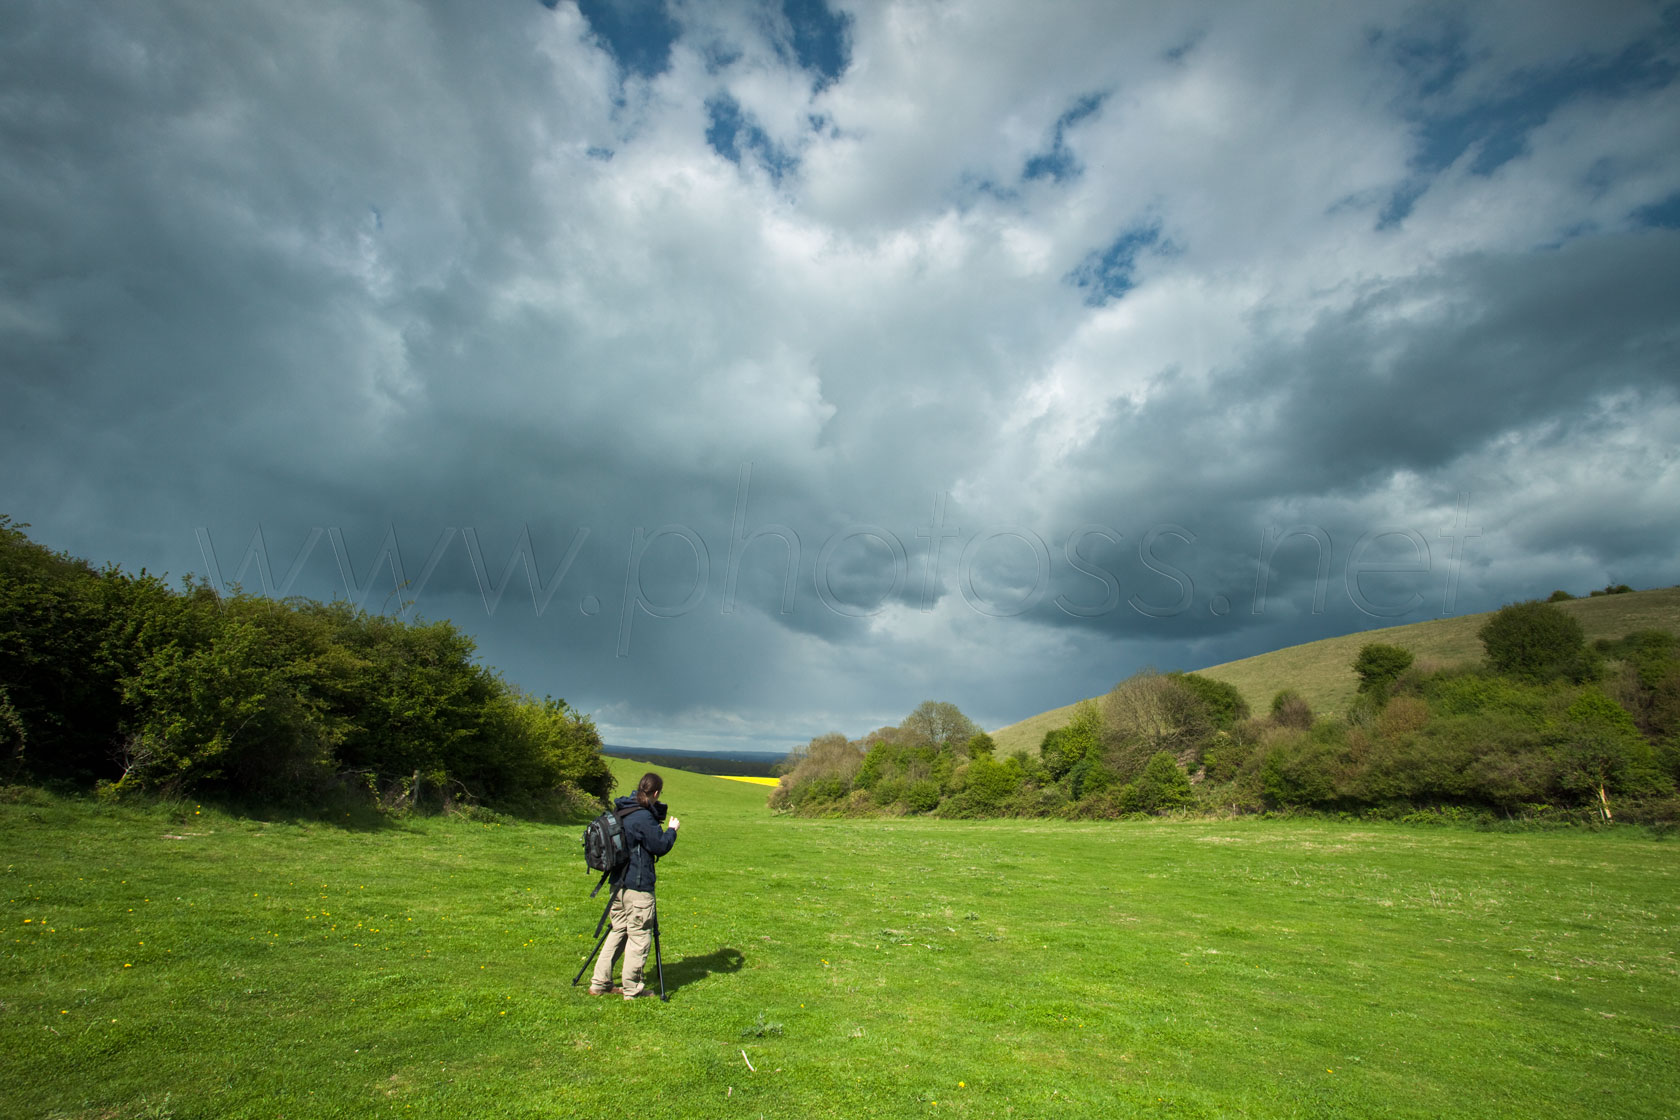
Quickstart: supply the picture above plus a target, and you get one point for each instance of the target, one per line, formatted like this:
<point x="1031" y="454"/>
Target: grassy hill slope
<point x="1322" y="671"/>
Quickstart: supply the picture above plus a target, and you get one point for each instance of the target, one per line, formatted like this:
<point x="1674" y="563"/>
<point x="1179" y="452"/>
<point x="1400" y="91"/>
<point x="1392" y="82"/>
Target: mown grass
<point x="1322" y="671"/>
<point x="178" y="961"/>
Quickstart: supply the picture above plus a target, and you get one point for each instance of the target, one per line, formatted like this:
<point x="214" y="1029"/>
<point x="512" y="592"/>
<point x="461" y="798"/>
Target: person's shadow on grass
<point x="690" y="970"/>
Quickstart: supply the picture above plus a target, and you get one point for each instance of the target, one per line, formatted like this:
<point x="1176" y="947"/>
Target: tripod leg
<point x="599" y="926"/>
<point x="589" y="958"/>
<point x="659" y="963"/>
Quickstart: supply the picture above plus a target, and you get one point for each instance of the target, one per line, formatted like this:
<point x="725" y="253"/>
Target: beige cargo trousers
<point x="631" y="916"/>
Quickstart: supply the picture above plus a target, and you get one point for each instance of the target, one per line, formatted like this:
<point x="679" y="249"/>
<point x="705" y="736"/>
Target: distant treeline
<point x="1548" y="727"/>
<point x="117" y="682"/>
<point x="737" y="764"/>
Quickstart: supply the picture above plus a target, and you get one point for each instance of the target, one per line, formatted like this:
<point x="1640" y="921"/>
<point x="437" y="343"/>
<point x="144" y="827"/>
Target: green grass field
<point x="176" y="961"/>
<point x="1322" y="671"/>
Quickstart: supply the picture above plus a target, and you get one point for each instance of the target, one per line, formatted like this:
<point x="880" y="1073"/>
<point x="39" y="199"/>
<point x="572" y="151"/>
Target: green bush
<point x="922" y="796"/>
<point x="1379" y="665"/>
<point x="881" y="764"/>
<point x="61" y="667"/>
<point x="1065" y="747"/>
<point x="1537" y="641"/>
<point x="1048" y="801"/>
<point x="824" y="789"/>
<point x="1089" y="777"/>
<point x="1163" y="785"/>
<point x="1290" y="709"/>
<point x="246" y="711"/>
<point x="1225" y="705"/>
<point x="1662" y="713"/>
<point x="1652" y="654"/>
<point x="1604" y="752"/>
<point x="1301" y="770"/>
<point x="533" y="746"/>
<point x="825" y="770"/>
<point x="116" y="680"/>
<point x="1225" y="759"/>
<point x="1667" y="755"/>
<point x="1430" y="764"/>
<point x="989" y="787"/>
<point x="1472" y="691"/>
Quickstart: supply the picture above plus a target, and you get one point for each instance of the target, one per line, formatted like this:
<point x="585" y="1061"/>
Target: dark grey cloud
<point x="694" y="317"/>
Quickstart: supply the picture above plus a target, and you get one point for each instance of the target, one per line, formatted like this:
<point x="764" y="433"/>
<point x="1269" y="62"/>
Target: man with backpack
<point x="632" y="912"/>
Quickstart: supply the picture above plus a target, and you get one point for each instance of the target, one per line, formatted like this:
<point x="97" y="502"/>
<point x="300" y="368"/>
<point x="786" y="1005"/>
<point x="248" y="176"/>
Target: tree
<point x="1604" y="751"/>
<point x="824" y="773"/>
<point x="1065" y="747"/>
<point x="247" y="709"/>
<point x="1147" y="713"/>
<point x="981" y="743"/>
<point x="63" y="687"/>
<point x="938" y="723"/>
<point x="1537" y="641"/>
<point x="1225" y="704"/>
<point x="1379" y="665"/>
<point x="533" y="747"/>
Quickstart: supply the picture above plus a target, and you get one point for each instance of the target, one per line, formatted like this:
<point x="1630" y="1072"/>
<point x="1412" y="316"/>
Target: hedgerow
<point x="116" y="681"/>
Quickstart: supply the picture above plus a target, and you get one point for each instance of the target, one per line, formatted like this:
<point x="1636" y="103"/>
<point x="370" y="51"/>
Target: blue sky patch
<point x="1059" y="163"/>
<point x="639" y="33"/>
<point x="1106" y="274"/>
<point x="822" y="38"/>
<point x="734" y="135"/>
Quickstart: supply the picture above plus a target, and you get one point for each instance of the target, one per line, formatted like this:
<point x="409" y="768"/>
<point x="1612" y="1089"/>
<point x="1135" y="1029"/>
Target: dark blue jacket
<point x="647" y="841"/>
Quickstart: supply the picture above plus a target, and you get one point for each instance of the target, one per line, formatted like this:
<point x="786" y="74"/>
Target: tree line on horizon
<point x="1547" y="726"/>
<point x="115" y="682"/>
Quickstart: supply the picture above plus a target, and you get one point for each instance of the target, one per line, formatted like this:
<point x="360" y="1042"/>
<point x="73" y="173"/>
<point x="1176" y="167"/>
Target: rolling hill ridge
<point x="1322" y="671"/>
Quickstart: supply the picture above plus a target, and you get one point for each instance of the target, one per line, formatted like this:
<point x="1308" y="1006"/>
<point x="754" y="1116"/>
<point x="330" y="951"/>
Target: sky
<point x="745" y="371"/>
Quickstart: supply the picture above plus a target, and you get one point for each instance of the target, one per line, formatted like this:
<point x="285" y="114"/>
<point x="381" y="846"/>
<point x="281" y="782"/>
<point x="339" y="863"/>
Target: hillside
<point x="1322" y="671"/>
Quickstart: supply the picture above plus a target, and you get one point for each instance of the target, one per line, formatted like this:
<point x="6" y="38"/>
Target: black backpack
<point x="606" y="848"/>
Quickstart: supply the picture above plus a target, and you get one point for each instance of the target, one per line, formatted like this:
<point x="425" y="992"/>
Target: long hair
<point x="647" y="790"/>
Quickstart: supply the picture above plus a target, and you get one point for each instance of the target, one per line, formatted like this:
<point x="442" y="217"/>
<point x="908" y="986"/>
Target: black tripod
<point x="658" y="961"/>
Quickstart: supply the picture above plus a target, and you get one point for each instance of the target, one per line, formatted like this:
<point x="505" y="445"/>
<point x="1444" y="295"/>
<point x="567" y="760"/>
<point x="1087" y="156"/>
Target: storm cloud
<point x="746" y="371"/>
